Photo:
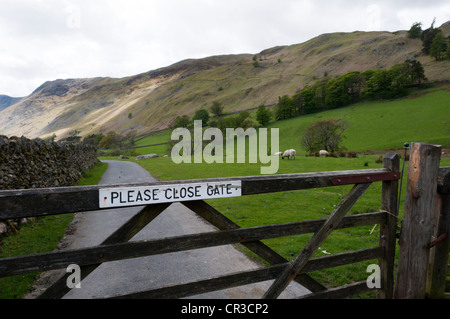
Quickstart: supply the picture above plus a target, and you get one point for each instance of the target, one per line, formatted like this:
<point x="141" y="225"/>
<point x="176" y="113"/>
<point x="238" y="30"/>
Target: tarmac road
<point x="132" y="275"/>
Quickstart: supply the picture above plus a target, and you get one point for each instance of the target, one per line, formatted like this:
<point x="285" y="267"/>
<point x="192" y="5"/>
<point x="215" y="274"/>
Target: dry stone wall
<point x="26" y="163"/>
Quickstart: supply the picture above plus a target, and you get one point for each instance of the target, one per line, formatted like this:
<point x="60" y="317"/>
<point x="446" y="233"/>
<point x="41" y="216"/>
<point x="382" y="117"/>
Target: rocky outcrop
<point x="140" y="157"/>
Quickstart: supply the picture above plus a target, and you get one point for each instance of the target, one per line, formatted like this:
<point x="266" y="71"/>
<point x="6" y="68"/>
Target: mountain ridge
<point x="6" y="101"/>
<point x="150" y="101"/>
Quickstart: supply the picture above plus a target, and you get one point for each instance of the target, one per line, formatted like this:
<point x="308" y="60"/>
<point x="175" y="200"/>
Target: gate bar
<point x="335" y="218"/>
<point x="61" y="200"/>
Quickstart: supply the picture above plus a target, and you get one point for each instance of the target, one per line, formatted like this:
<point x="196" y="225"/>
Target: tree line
<point x="242" y="119"/>
<point x="352" y="87"/>
<point x="112" y="140"/>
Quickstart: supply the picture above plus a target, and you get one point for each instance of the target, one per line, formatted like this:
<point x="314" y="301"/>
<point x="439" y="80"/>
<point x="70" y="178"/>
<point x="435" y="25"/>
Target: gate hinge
<point x="437" y="241"/>
<point x="367" y="178"/>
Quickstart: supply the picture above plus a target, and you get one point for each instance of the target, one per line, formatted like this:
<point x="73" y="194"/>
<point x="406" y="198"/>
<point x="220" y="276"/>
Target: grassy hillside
<point x="150" y="101"/>
<point x="382" y="125"/>
<point x="374" y="126"/>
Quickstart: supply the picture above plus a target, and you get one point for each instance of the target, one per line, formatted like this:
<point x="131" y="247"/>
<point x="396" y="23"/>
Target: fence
<point x="424" y="242"/>
<point x="42" y="202"/>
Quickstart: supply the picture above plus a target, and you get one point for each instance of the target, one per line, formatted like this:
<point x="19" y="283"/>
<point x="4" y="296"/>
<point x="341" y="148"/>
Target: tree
<point x="131" y="137"/>
<point x="355" y="84"/>
<point x="344" y="89"/>
<point x="427" y="37"/>
<point x="324" y="135"/>
<point x="438" y="47"/>
<point x="320" y="92"/>
<point x="243" y="119"/>
<point x="309" y="104"/>
<point x="415" y="31"/>
<point x="447" y="53"/>
<point x="416" y="72"/>
<point x="246" y="123"/>
<point x="386" y="84"/>
<point x="109" y="141"/>
<point x="202" y="115"/>
<point x="182" y="121"/>
<point x="378" y="84"/>
<point x="216" y="109"/>
<point x="263" y="115"/>
<point x="285" y="108"/>
<point x="336" y="93"/>
<point x="400" y="79"/>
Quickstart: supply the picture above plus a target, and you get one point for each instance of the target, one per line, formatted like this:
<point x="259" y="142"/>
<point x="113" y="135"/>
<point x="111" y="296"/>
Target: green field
<point x="382" y="125"/>
<point x="374" y="126"/>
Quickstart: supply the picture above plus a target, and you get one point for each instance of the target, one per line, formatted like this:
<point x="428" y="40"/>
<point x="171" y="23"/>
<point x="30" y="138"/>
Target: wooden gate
<point x="424" y="240"/>
<point x="41" y="202"/>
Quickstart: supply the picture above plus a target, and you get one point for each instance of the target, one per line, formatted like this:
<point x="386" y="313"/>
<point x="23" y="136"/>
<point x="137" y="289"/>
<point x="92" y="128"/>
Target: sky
<point x="45" y="40"/>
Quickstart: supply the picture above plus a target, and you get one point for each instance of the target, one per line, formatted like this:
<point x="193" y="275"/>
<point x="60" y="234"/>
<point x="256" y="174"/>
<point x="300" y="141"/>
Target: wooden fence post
<point x="388" y="231"/>
<point x="439" y="252"/>
<point x="420" y="221"/>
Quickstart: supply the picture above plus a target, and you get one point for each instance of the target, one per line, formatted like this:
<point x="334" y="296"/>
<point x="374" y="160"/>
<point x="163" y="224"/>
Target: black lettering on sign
<point x="197" y="191"/>
<point x="131" y="196"/>
<point x="114" y="195"/>
<point x="155" y="194"/>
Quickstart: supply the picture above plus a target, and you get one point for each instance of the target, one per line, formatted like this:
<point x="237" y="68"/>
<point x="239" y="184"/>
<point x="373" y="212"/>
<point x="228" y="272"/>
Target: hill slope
<point x="150" y="101"/>
<point x="381" y="125"/>
<point x="6" y="101"/>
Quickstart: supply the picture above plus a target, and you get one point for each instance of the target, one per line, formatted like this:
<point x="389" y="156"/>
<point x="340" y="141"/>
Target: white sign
<point x="144" y="195"/>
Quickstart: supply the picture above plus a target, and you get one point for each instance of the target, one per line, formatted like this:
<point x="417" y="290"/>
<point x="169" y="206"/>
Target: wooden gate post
<point x="440" y="247"/>
<point x="389" y="201"/>
<point x="419" y="221"/>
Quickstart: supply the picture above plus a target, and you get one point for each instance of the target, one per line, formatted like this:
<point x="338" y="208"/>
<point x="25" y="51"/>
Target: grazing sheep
<point x="289" y="153"/>
<point x="278" y="154"/>
<point x="323" y="153"/>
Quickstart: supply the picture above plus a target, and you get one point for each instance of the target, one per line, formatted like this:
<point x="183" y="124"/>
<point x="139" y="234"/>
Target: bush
<point x="324" y="135"/>
<point x="217" y="108"/>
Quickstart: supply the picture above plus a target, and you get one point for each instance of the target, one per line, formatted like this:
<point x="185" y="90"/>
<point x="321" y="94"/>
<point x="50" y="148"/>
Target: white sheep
<point x="278" y="154"/>
<point x="289" y="153"/>
<point x="323" y="153"/>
